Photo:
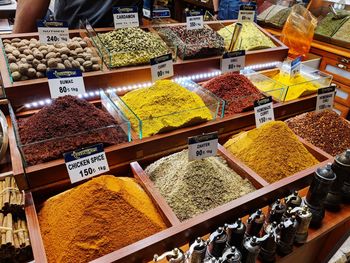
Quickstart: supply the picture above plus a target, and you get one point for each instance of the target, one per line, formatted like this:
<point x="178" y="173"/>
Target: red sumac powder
<point x="65" y="125"/>
<point x="237" y="90"/>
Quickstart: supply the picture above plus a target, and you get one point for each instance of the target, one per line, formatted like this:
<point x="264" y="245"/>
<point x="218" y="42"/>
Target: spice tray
<point x="140" y="125"/>
<point x="40" y="148"/>
<point x="314" y="78"/>
<point x="200" y="225"/>
<point x="54" y="173"/>
<point x="33" y="204"/>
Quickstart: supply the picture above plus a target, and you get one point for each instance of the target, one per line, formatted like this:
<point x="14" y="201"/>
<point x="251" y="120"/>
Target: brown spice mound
<point x="97" y="218"/>
<point x="237" y="90"/>
<point x="66" y="117"/>
<point x="324" y="129"/>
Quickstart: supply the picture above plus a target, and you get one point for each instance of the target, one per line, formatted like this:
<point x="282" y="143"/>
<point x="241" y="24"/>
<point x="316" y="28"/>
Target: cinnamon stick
<point x="9" y="233"/>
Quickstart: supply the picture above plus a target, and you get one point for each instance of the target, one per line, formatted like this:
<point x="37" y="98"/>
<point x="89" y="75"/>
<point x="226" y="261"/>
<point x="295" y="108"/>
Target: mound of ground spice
<point x="65" y="119"/>
<point x="192" y="188"/>
<point x="96" y="218"/>
<point x="237" y="90"/>
<point x="324" y="129"/>
<point x="273" y="151"/>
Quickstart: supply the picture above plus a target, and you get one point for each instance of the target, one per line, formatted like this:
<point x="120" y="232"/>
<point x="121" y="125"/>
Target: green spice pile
<point x="344" y="32"/>
<point x="132" y="46"/>
<point x="325" y="129"/>
<point x="191" y="188"/>
<point x="280" y="18"/>
<point x="329" y="25"/>
<point x="196" y="43"/>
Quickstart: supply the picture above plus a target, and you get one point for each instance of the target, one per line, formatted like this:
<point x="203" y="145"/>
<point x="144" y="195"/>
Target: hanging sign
<point x="263" y="111"/>
<point x="202" y="146"/>
<point x="233" y="61"/>
<point x="325" y="98"/>
<point x="125" y="17"/>
<point x="52" y="32"/>
<point x="162" y="67"/>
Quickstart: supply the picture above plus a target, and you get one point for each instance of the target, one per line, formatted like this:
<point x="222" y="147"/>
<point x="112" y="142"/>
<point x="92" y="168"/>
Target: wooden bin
<point x="178" y="233"/>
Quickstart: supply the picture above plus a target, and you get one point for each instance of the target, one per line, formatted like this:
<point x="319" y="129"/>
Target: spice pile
<point x="96" y="218"/>
<point x="273" y="151"/>
<point x="330" y="24"/>
<point x="251" y="38"/>
<point x="270" y="12"/>
<point x="65" y="119"/>
<point x="132" y="46"/>
<point x="192" y="188"/>
<point x="29" y="59"/>
<point x="237" y="91"/>
<point x="344" y="32"/>
<point x="14" y="239"/>
<point x="165" y="106"/>
<point x="280" y="18"/>
<point x="196" y="43"/>
<point x="324" y="129"/>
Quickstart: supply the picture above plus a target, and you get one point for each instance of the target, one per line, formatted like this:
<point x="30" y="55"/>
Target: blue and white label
<point x="263" y="111"/>
<point x="162" y="67"/>
<point x="202" y="146"/>
<point x="246" y="13"/>
<point x="325" y="98"/>
<point x="65" y="82"/>
<point x="86" y="163"/>
<point x="295" y="66"/>
<point x="194" y="20"/>
<point x="233" y="61"/>
<point x="52" y="32"/>
<point x="125" y="17"/>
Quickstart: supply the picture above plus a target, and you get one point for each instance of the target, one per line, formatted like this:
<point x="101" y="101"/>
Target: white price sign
<point x="325" y="98"/>
<point x="263" y="111"/>
<point x="52" y="32"/>
<point x="125" y="17"/>
<point x="194" y="20"/>
<point x="162" y="67"/>
<point x="246" y="13"/>
<point x="202" y="146"/>
<point x="233" y="61"/>
<point x="86" y="163"/>
<point x="295" y="67"/>
<point x="65" y="82"/>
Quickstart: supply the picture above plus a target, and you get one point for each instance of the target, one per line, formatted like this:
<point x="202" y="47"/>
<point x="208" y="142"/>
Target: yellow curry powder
<point x="165" y="106"/>
<point x="298" y="86"/>
<point x="96" y="218"/>
<point x="273" y="151"/>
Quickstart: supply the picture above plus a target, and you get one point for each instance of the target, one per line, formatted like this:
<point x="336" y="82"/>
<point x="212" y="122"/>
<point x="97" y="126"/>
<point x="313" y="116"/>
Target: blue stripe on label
<point x="203" y="138"/>
<point x="234" y="54"/>
<point x="63" y="73"/>
<point x="55" y="23"/>
<point x="161" y="59"/>
<point x="124" y="9"/>
<point x="84" y="152"/>
<point x="263" y="101"/>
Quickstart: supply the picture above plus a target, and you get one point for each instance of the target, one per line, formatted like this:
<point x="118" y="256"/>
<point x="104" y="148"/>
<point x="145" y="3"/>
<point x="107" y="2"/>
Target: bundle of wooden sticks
<point x="11" y="198"/>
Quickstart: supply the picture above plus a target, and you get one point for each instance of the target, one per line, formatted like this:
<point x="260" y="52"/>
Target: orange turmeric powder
<point x="96" y="218"/>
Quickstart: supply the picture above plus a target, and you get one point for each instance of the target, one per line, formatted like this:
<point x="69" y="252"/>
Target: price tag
<point x="295" y="67"/>
<point x="194" y="20"/>
<point x="52" y="32"/>
<point x="263" y="110"/>
<point x="233" y="61"/>
<point x="246" y="13"/>
<point x="162" y="67"/>
<point x="202" y="146"/>
<point x="86" y="163"/>
<point x="325" y="98"/>
<point x="125" y="17"/>
<point x="65" y="82"/>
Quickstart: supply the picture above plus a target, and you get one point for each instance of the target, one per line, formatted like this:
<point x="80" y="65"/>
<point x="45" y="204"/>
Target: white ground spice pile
<point x="191" y="188"/>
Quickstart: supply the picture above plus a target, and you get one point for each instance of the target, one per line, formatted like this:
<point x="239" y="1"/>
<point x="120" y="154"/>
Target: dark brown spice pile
<point x="66" y="116"/>
<point x="237" y="90"/>
<point x="325" y="129"/>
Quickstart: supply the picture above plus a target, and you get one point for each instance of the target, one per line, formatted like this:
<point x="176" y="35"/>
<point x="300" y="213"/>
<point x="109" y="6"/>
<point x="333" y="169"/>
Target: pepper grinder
<point x="250" y="250"/>
<point x="274" y="214"/>
<point x="269" y="244"/>
<point x="231" y="255"/>
<point x="293" y="200"/>
<point x="217" y="243"/>
<point x="288" y="229"/>
<point x="341" y="167"/>
<point x="196" y="253"/>
<point x="255" y="223"/>
<point x="304" y="217"/>
<point x="235" y="233"/>
<point x="174" y="256"/>
<point x="319" y="188"/>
